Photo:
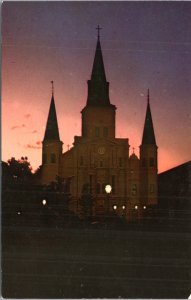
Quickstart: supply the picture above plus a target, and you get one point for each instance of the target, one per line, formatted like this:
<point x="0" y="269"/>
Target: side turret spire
<point x="52" y="132"/>
<point x="148" y="132"/>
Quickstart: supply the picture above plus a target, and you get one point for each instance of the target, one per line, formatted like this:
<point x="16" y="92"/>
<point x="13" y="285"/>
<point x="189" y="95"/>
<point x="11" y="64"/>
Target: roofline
<point x="176" y="167"/>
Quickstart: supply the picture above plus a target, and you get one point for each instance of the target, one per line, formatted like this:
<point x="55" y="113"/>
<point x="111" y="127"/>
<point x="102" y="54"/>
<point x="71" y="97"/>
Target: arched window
<point x="134" y="189"/>
<point x="53" y="158"/>
<point x="98" y="188"/>
<point x="103" y="188"/>
<point x="113" y="184"/>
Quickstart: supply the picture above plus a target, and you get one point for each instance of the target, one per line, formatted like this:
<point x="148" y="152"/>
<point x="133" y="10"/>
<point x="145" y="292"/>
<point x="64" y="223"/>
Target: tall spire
<point x="52" y="132"/>
<point x="98" y="87"/>
<point x="148" y="132"/>
<point x="98" y="71"/>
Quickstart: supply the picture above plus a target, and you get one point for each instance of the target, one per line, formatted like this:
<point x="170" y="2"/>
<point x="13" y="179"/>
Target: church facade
<point x="99" y="159"/>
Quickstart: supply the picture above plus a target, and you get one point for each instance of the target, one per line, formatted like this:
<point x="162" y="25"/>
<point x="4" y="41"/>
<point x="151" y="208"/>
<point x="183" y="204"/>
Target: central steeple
<point x="98" y="87"/>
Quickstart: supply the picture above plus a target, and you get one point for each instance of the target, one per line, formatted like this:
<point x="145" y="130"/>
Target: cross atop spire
<point x="148" y="96"/>
<point x="98" y="31"/>
<point x="52" y="82"/>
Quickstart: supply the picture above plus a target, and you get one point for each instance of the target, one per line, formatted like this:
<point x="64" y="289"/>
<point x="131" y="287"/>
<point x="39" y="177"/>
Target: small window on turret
<point x="97" y="131"/>
<point x="44" y="158"/>
<point x="53" y="158"/>
<point x="152" y="163"/>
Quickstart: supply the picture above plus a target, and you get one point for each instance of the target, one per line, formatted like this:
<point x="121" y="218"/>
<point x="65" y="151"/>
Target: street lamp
<point x="108" y="189"/>
<point x="44" y="202"/>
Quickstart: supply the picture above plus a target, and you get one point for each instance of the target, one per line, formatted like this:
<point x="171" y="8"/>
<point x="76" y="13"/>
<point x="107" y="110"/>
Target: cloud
<point x="29" y="146"/>
<point x="27" y="116"/>
<point x="34" y="131"/>
<point x="17" y="126"/>
<point x="38" y="143"/>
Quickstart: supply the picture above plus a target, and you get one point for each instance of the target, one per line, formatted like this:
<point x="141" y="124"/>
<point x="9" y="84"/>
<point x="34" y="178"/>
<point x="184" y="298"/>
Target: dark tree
<point x="16" y="172"/>
<point x="20" y="169"/>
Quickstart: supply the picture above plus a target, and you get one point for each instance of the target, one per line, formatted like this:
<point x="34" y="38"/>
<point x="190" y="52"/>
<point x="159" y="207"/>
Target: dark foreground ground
<point x="94" y="263"/>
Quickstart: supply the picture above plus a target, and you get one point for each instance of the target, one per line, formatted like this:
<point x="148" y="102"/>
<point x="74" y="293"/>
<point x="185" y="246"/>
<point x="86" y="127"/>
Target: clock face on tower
<point x="101" y="150"/>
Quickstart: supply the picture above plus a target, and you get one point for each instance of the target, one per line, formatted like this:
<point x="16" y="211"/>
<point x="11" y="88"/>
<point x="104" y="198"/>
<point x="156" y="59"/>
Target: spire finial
<point x="52" y="82"/>
<point x="98" y="31"/>
<point x="148" y="96"/>
<point x="133" y="150"/>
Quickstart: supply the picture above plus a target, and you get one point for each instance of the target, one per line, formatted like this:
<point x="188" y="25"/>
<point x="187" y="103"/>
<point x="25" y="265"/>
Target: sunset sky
<point x="144" y="44"/>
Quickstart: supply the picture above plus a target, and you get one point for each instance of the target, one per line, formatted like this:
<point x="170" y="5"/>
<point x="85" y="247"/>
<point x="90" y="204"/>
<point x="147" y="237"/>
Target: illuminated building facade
<point x="98" y="158"/>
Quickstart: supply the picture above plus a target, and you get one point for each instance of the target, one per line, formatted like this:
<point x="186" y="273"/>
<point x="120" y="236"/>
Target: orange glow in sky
<point x="51" y="41"/>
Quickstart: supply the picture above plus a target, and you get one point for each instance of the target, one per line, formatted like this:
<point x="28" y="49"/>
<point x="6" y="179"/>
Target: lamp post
<point x="108" y="189"/>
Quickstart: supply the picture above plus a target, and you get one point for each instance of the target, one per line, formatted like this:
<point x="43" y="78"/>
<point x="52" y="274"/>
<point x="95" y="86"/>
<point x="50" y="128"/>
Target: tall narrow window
<point x="97" y="131"/>
<point x="120" y="162"/>
<point x="134" y="189"/>
<point x="105" y="131"/>
<point x="53" y="158"/>
<point x="98" y="188"/>
<point x="113" y="184"/>
<point x="103" y="187"/>
<point x="152" y="162"/>
<point x="101" y="164"/>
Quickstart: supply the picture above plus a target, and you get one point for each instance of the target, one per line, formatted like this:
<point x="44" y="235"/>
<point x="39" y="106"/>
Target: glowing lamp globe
<point x="108" y="188"/>
<point x="44" y="202"/>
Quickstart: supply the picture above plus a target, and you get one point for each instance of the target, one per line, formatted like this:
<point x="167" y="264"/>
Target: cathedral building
<point x="99" y="167"/>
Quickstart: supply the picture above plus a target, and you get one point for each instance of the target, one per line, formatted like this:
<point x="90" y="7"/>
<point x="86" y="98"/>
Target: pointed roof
<point x="148" y="131"/>
<point x="98" y="70"/>
<point x="52" y="132"/>
<point x="98" y="87"/>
